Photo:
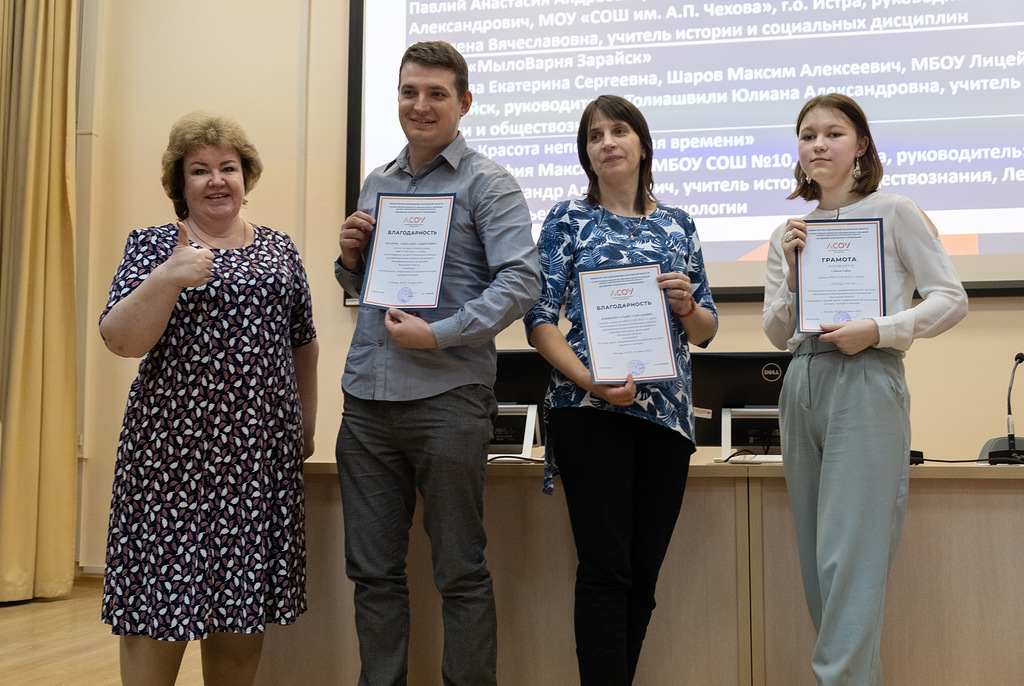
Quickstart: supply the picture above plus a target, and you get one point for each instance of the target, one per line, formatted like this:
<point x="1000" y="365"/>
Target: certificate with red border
<point x="626" y="323"/>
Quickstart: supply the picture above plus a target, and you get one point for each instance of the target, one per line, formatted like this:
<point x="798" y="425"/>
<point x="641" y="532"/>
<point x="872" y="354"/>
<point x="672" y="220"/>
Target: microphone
<point x="1010" y="445"/>
<point x="998" y="451"/>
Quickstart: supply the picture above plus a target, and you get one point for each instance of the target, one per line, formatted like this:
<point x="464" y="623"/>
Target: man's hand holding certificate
<point x="407" y="254"/>
<point x="840" y="274"/>
<point x="627" y="325"/>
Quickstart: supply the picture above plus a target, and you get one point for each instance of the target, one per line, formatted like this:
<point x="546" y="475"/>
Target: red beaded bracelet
<point x="693" y="308"/>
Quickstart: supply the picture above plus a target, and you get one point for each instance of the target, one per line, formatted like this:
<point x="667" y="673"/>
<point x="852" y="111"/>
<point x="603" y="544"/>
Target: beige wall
<point x="280" y="69"/>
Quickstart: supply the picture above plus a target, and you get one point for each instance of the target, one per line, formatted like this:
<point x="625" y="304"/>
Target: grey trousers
<point x="386" y="452"/>
<point x="845" y="430"/>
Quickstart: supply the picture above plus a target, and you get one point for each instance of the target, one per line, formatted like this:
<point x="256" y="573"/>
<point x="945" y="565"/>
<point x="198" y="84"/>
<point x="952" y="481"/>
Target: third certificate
<point x="840" y="273"/>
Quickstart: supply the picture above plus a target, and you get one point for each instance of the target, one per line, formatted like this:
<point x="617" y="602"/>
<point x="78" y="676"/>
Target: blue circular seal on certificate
<point x="404" y="294"/>
<point x="635" y="367"/>
<point x="841" y="317"/>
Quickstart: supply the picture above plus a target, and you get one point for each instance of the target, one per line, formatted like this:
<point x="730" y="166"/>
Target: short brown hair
<point x="618" y="109"/>
<point x="871" y="170"/>
<point x="437" y="53"/>
<point x="200" y="130"/>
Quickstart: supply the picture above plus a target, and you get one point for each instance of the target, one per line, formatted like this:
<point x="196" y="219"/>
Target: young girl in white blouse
<point x="845" y="409"/>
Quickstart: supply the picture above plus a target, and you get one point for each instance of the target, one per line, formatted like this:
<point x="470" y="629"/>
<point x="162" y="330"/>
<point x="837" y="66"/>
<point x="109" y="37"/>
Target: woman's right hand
<point x="136" y="323"/>
<point x="188" y="267"/>
<point x="623" y="396"/>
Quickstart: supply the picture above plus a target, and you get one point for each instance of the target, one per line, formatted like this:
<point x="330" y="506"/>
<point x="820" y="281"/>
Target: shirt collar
<point x="451" y="154"/>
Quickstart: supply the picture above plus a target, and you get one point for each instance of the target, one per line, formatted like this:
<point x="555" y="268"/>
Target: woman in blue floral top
<point x="623" y="451"/>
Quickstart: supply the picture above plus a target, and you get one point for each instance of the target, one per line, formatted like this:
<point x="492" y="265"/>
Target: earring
<point x="809" y="179"/>
<point x="856" y="169"/>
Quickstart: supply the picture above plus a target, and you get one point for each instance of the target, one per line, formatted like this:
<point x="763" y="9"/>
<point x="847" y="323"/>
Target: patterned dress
<point x="207" y="516"/>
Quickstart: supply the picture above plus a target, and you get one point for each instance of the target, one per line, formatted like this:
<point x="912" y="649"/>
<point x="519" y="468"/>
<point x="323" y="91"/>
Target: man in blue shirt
<point x="419" y="404"/>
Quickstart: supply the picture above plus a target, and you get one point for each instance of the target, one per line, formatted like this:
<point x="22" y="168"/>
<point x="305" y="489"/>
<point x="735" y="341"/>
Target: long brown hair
<point x="619" y="109"/>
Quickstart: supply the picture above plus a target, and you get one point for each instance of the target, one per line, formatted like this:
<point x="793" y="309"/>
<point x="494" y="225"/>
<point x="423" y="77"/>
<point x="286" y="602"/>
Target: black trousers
<point x="624" y="479"/>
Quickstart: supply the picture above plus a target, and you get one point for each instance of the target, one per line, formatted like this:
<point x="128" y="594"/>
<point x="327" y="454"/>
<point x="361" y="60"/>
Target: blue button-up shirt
<point x="491" y="277"/>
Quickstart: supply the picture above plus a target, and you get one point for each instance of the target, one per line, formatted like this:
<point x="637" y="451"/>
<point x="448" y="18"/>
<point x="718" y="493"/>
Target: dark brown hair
<point x="618" y="109"/>
<point x="439" y="54"/>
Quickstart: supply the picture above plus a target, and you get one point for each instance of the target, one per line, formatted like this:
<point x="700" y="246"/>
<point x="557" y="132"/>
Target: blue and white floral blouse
<point x="578" y="237"/>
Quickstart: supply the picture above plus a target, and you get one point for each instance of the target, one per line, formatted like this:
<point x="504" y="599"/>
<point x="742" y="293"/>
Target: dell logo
<point x="771" y="372"/>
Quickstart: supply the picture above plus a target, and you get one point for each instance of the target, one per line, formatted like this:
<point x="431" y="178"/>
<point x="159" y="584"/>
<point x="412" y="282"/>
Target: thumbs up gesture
<point x="188" y="266"/>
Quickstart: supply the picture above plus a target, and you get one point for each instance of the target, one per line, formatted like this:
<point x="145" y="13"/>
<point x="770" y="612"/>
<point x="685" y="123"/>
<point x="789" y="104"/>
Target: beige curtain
<point x="38" y="385"/>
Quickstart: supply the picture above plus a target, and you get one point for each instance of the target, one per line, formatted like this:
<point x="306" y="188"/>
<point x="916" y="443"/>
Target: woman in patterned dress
<point x="623" y="451"/>
<point x="206" y="534"/>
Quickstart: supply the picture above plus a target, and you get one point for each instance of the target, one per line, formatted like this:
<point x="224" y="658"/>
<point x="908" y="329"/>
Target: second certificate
<point x="407" y="256"/>
<point x="626" y="324"/>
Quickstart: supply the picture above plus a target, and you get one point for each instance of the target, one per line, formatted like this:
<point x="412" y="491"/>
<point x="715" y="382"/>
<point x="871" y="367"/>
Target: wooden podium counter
<point x="730" y="603"/>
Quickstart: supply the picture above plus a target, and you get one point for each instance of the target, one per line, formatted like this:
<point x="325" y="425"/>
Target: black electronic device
<point x="738" y="380"/>
<point x="522" y="379"/>
<point x="1003" y="449"/>
<point x="734" y="380"/>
